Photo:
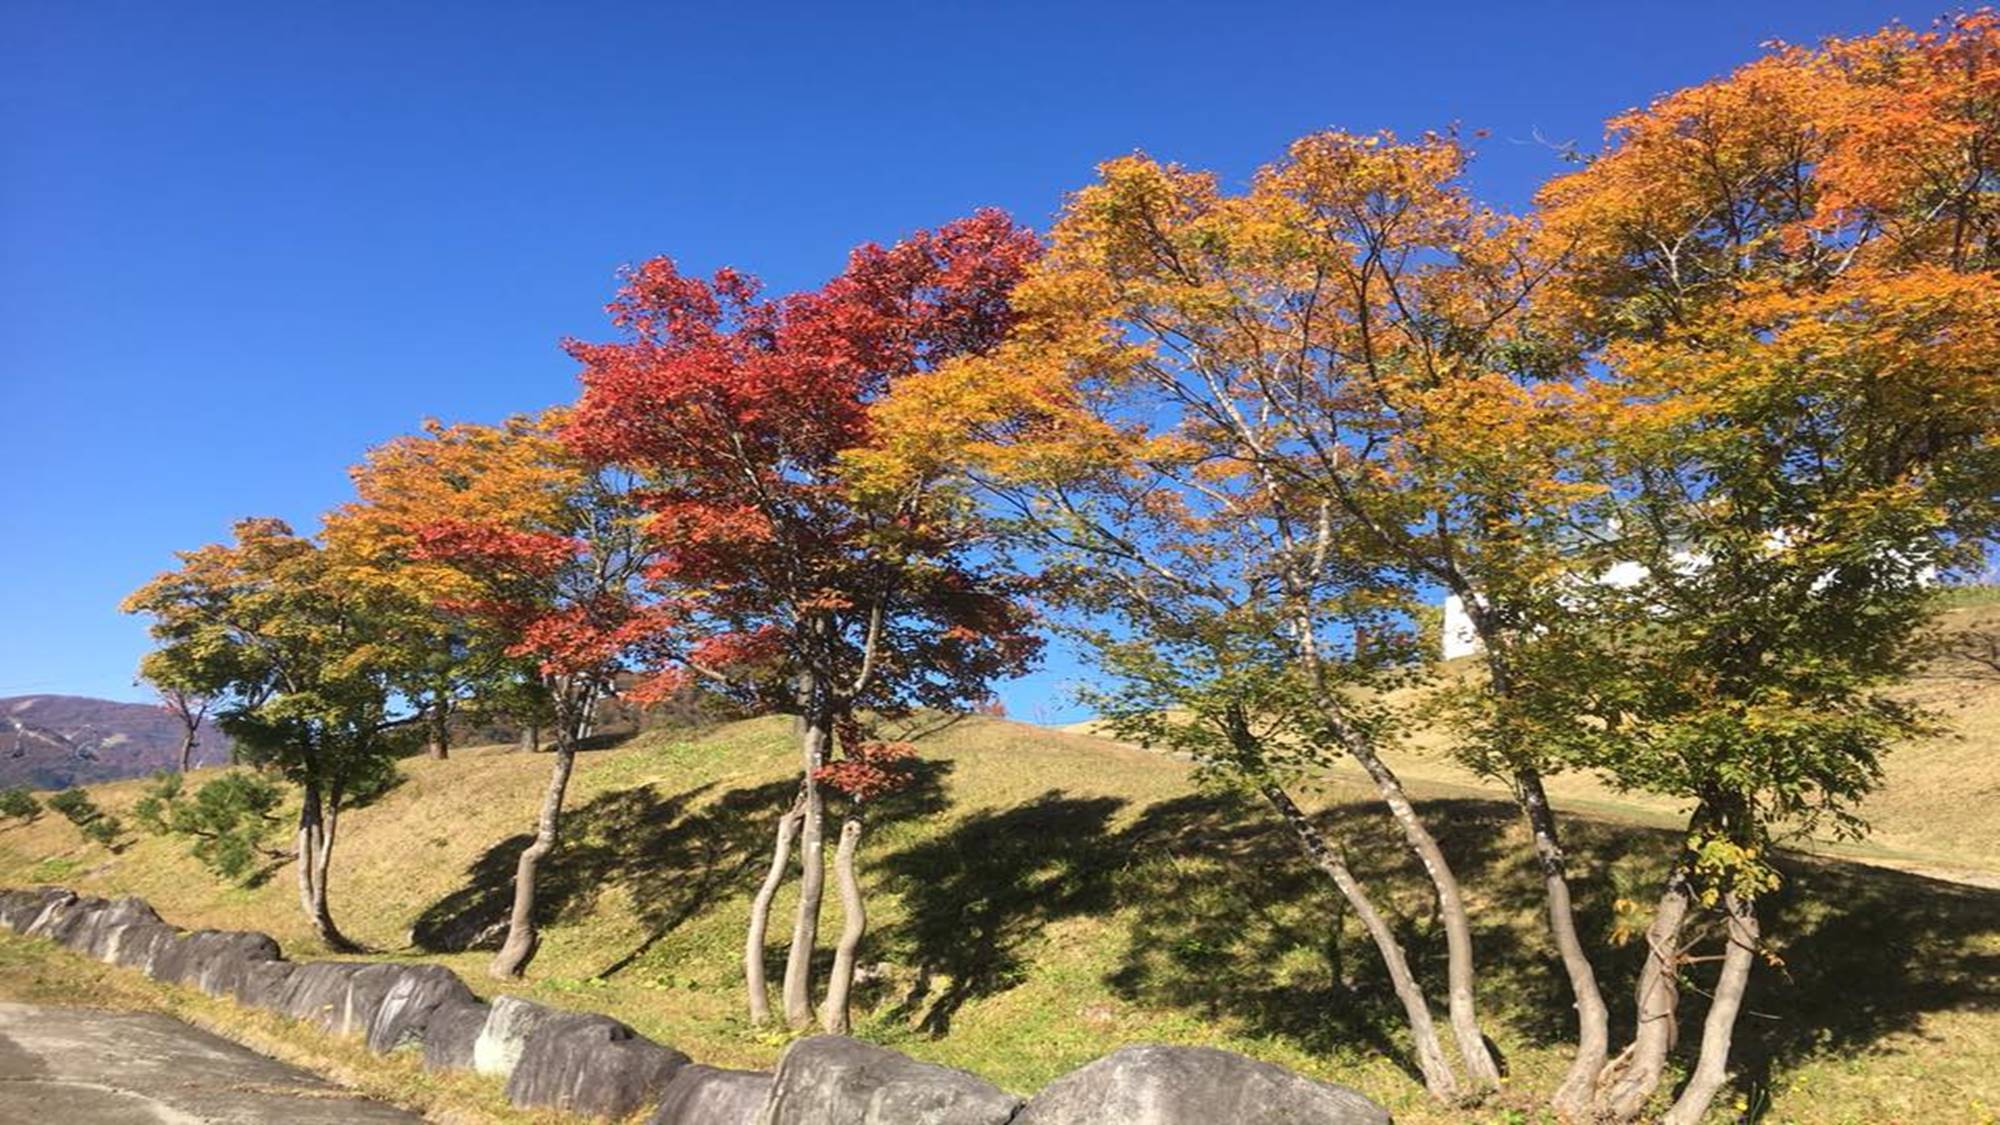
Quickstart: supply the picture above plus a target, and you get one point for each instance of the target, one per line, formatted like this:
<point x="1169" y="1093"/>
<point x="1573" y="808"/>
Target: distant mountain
<point x="50" y="741"/>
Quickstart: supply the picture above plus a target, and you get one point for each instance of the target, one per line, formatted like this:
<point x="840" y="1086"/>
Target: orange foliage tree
<point x="1788" y="282"/>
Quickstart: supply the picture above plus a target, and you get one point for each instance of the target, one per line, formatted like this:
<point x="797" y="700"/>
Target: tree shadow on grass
<point x="1230" y="923"/>
<point x="603" y="842"/>
<point x="1226" y="921"/>
<point x="1865" y="953"/>
<point x="724" y="848"/>
<point x="673" y="856"/>
<point x="978" y="894"/>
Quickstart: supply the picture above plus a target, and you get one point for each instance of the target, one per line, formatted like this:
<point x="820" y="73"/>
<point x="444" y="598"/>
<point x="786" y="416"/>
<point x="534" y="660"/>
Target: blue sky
<point x="241" y="243"/>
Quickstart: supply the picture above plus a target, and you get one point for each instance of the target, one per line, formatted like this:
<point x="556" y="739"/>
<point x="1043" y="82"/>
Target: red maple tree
<point x="790" y="583"/>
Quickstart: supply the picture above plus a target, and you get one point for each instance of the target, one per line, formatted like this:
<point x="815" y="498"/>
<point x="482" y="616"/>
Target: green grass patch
<point x="54" y="869"/>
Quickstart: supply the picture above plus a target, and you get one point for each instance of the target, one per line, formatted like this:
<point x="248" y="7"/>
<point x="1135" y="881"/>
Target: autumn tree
<point x="510" y="476"/>
<point x="1787" y="279"/>
<point x="292" y="651"/>
<point x="529" y="563"/>
<point x="1197" y="627"/>
<point x="1189" y="355"/>
<point x="789" y="584"/>
<point x="1373" y="315"/>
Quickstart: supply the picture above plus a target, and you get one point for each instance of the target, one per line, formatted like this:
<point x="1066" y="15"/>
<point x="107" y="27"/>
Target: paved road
<point x="77" y="1066"/>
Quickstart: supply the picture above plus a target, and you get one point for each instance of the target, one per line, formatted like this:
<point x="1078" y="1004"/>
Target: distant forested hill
<point x="50" y="741"/>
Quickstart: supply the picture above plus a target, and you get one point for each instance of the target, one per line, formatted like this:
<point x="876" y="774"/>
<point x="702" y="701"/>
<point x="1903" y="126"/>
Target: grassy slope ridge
<point x="1046" y="896"/>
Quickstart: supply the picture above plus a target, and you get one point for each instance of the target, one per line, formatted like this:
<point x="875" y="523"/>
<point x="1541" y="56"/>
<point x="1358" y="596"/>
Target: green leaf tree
<point x="294" y="651"/>
<point x="228" y="822"/>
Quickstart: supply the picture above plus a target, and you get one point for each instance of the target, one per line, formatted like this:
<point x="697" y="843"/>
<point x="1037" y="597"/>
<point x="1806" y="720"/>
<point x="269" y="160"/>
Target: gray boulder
<point x="416" y="993"/>
<point x="263" y="984"/>
<point x="591" y="1065"/>
<point x="137" y="945"/>
<point x="450" y="1033"/>
<point x="366" y="989"/>
<point x="505" y="1034"/>
<point x="214" y="961"/>
<point x="706" y="1095"/>
<point x="316" y="992"/>
<point x="831" y="1078"/>
<point x="1160" y="1085"/>
<point x="19" y="909"/>
<point x="13" y="905"/>
<point x="72" y="924"/>
<point x="99" y="935"/>
<point x="59" y="913"/>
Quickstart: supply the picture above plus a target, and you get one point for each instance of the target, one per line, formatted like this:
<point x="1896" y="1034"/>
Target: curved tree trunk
<point x="1711" y="1070"/>
<point x="812" y="873"/>
<point x="760" y="915"/>
<point x="853" y="926"/>
<point x="522" y="937"/>
<point x="1460" y="971"/>
<point x="1573" y="1097"/>
<point x="1631" y="1078"/>
<point x="1439" y="1078"/>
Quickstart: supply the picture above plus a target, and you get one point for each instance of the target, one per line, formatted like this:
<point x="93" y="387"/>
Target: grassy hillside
<point x="1045" y="896"/>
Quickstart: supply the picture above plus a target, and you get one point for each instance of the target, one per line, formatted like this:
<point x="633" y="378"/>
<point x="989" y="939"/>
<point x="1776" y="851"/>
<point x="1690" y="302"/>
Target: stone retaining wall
<point x="593" y="1065"/>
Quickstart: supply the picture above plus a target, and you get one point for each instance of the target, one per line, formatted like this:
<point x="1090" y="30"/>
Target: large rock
<point x="19" y="909"/>
<point x="366" y="989"/>
<point x="416" y="994"/>
<point x="591" y="1065"/>
<point x="316" y="992"/>
<point x="264" y="984"/>
<point x="505" y="1035"/>
<point x="831" y="1078"/>
<point x="100" y="934"/>
<point x="1159" y="1085"/>
<point x="138" y="945"/>
<point x="58" y="914"/>
<point x="706" y="1095"/>
<point x="214" y="961"/>
<point x="450" y="1033"/>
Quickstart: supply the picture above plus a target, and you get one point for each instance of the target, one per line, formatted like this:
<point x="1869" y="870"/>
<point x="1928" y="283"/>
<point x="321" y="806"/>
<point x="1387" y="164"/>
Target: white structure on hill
<point x="1461" y="639"/>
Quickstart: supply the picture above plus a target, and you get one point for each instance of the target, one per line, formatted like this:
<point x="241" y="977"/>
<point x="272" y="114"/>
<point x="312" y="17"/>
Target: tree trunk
<point x="308" y="848"/>
<point x="1711" y="1070"/>
<point x="1573" y="1097"/>
<point x="1431" y="1062"/>
<point x="1631" y="1078"/>
<point x="437" y="740"/>
<point x="853" y="926"/>
<point x="812" y="873"/>
<point x="522" y="937"/>
<point x="1479" y="1064"/>
<point x="187" y="749"/>
<point x="760" y="915"/>
<point x="531" y="738"/>
<point x="317" y="823"/>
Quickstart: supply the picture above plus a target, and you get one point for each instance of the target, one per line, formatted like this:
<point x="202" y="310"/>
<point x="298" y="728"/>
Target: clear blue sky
<point x="239" y="243"/>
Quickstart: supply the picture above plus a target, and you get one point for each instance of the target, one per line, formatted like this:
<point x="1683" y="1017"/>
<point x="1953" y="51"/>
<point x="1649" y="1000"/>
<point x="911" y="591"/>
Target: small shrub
<point x="227" y="821"/>
<point x="76" y="807"/>
<point x="19" y="804"/>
